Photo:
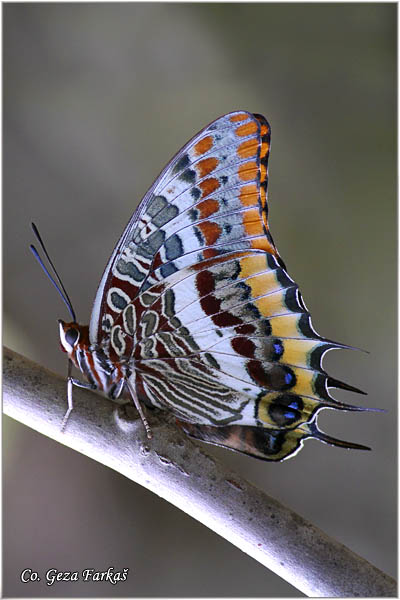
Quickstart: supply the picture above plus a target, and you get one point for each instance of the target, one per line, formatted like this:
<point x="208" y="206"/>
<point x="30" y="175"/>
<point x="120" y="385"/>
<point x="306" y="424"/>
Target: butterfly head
<point x="70" y="334"/>
<point x="73" y="337"/>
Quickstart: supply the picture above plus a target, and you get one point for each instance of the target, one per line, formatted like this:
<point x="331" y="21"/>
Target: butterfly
<point x="196" y="313"/>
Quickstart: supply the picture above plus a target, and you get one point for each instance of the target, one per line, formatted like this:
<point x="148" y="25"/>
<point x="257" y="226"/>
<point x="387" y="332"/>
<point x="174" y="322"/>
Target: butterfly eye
<point x="71" y="336"/>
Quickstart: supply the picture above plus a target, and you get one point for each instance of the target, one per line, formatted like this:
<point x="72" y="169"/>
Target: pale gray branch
<point x="180" y="471"/>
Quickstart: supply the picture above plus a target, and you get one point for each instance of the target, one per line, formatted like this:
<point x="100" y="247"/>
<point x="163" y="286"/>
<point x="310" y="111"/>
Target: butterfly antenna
<point x="59" y="286"/>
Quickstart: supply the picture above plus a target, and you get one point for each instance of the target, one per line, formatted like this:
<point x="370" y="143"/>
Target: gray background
<point x="97" y="98"/>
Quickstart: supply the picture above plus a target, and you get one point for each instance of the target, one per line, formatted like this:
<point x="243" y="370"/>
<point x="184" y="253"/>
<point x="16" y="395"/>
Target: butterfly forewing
<point x="207" y="201"/>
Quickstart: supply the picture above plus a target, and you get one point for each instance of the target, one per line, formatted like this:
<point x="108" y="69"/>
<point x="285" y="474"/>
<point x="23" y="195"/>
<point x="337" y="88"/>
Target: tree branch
<point x="180" y="471"/>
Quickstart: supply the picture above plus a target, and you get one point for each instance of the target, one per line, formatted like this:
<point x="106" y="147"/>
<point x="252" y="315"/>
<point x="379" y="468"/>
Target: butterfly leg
<point x="70" y="404"/>
<point x="139" y="409"/>
<point x="71" y="382"/>
<point x="83" y="384"/>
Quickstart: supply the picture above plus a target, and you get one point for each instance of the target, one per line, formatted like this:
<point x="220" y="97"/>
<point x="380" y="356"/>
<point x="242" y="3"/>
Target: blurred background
<point x="97" y="98"/>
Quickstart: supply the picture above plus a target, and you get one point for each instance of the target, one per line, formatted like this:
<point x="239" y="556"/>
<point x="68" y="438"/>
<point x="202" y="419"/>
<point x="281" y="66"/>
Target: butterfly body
<point x="196" y="313"/>
<point x="102" y="374"/>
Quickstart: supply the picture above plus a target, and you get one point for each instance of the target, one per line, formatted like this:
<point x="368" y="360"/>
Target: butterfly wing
<point x="209" y="199"/>
<point x="197" y="299"/>
<point x="229" y="341"/>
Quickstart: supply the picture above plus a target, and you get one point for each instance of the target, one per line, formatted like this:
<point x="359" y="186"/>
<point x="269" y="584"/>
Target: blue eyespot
<point x="288" y="378"/>
<point x="294" y="405"/>
<point x="290" y="415"/>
